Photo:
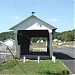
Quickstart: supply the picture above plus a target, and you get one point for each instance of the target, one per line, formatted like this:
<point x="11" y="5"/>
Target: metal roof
<point x="48" y="25"/>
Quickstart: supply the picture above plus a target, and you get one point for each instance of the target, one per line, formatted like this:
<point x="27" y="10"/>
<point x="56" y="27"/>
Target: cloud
<point x="54" y="20"/>
<point x="17" y="17"/>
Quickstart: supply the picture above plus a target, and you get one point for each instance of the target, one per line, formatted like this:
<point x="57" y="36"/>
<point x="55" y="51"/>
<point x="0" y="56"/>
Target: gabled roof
<point x="48" y="25"/>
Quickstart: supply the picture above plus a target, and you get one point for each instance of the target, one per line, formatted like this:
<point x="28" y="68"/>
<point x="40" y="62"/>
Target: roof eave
<point x="12" y="28"/>
<point x="52" y="27"/>
<point x="53" y="30"/>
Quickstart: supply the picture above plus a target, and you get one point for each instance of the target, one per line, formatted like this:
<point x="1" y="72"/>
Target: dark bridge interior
<point x="24" y="37"/>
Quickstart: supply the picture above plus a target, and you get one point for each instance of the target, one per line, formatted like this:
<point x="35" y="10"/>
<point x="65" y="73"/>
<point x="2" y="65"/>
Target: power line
<point x="16" y="61"/>
<point x="21" y="6"/>
<point x="16" y="6"/>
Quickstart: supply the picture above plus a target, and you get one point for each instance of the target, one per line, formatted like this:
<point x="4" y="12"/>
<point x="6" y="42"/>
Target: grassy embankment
<point x="45" y="67"/>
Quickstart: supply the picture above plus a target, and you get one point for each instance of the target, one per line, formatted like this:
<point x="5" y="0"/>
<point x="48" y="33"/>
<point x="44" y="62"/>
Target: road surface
<point x="67" y="56"/>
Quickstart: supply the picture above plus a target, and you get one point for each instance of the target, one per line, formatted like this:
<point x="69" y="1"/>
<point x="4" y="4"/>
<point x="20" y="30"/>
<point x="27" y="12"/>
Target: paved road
<point x="67" y="55"/>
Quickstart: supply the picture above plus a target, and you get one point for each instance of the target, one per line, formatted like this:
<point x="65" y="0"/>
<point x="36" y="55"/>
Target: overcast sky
<point x="59" y="13"/>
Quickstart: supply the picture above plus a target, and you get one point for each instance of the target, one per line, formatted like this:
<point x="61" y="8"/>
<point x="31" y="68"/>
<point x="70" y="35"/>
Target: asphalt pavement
<point x="67" y="56"/>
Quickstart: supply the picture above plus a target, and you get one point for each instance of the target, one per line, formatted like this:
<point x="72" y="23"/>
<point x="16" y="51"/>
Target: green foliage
<point x="6" y="35"/>
<point x="65" y="36"/>
<point x="7" y="65"/>
<point x="31" y="67"/>
<point x="35" y="39"/>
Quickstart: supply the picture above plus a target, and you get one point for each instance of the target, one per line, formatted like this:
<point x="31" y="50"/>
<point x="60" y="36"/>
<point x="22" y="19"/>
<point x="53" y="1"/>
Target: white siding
<point x="32" y="24"/>
<point x="37" y="26"/>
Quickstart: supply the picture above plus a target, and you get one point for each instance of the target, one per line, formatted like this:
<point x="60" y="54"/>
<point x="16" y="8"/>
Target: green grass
<point x="69" y="43"/>
<point x="45" y="67"/>
<point x="55" y="44"/>
<point x="39" y="45"/>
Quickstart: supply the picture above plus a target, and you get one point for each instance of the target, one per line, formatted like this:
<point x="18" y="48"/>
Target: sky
<point x="58" y="13"/>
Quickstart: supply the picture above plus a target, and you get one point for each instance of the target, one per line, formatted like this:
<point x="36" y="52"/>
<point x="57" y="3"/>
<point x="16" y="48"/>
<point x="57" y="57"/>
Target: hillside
<point x="6" y="35"/>
<point x="64" y="36"/>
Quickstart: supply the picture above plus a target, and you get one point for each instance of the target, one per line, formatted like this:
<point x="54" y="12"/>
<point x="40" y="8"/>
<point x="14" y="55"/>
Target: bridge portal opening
<point x="38" y="44"/>
<point x="29" y="40"/>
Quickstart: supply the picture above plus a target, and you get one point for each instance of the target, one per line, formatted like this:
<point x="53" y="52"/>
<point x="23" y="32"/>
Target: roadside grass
<point x="69" y="43"/>
<point x="38" y="45"/>
<point x="54" y="46"/>
<point x="31" y="67"/>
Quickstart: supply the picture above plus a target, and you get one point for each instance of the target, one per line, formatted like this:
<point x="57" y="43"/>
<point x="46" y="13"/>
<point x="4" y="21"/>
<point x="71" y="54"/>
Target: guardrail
<point x="6" y="55"/>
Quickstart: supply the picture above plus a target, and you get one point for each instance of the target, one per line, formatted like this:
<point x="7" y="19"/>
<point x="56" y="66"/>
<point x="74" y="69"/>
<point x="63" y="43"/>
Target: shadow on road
<point x="62" y="56"/>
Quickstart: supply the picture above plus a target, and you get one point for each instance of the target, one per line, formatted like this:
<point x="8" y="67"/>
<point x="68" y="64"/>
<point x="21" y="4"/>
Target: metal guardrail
<point x="5" y="55"/>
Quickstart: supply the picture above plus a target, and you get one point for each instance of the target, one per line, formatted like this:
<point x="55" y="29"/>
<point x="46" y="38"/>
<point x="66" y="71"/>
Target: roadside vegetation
<point x="68" y="44"/>
<point x="38" y="45"/>
<point x="71" y="43"/>
<point x="63" y="36"/>
<point x="31" y="67"/>
<point x="6" y="35"/>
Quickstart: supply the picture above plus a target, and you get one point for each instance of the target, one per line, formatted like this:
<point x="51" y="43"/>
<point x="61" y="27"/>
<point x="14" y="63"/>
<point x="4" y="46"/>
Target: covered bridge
<point x="28" y="28"/>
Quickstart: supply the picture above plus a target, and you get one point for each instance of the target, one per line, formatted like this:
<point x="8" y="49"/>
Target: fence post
<point x="38" y="59"/>
<point x="53" y="59"/>
<point x="24" y="59"/>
